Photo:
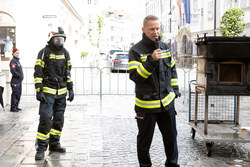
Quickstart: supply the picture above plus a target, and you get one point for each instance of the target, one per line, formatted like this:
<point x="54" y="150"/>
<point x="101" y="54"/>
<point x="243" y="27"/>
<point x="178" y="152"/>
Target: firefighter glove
<point x="40" y="97"/>
<point x="177" y="94"/>
<point x="71" y="95"/>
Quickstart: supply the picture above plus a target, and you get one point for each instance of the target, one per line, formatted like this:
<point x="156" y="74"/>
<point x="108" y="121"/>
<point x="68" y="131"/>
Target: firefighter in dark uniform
<point x="16" y="80"/>
<point x="52" y="81"/>
<point x="153" y="70"/>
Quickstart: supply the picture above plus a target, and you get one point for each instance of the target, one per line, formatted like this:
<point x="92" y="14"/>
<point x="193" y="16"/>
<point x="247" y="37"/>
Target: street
<point x="103" y="133"/>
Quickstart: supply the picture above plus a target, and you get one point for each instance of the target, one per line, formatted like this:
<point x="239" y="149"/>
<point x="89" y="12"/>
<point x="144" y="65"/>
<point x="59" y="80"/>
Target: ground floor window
<point x="7" y="40"/>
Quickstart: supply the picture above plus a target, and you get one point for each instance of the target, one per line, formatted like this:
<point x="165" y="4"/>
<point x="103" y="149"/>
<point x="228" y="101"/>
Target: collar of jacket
<point x="16" y="57"/>
<point x="148" y="42"/>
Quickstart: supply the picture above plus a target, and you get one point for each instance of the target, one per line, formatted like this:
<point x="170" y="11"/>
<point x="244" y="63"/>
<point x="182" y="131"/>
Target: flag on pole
<point x="179" y="4"/>
<point x="187" y="10"/>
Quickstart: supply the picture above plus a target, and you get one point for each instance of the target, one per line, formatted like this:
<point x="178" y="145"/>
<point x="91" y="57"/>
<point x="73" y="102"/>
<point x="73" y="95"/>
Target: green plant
<point x="96" y="24"/>
<point x="84" y="54"/>
<point x="100" y="26"/>
<point x="161" y="36"/>
<point x="232" y="22"/>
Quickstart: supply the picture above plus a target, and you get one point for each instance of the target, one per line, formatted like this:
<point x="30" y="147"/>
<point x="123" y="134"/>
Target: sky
<point x="126" y="5"/>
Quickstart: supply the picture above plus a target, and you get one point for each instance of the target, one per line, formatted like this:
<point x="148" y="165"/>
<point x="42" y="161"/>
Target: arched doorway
<point x="186" y="59"/>
<point x="7" y="34"/>
<point x="184" y="44"/>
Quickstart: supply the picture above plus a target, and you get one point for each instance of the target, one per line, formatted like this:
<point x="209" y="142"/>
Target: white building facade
<point x="204" y="18"/>
<point x="27" y="23"/>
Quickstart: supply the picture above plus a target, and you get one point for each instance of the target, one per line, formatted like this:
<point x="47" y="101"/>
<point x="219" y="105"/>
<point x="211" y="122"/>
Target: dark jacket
<point x="156" y="81"/>
<point x="52" y="71"/>
<point x="16" y="71"/>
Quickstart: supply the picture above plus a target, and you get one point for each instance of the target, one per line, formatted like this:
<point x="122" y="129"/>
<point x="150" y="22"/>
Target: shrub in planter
<point x="232" y="22"/>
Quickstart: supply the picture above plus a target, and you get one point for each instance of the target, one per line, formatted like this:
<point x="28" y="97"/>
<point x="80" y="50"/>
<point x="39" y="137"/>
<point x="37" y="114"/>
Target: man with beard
<point x="52" y="80"/>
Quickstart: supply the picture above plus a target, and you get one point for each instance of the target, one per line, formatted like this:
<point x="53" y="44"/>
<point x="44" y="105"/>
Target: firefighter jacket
<point x="52" y="71"/>
<point x="16" y="70"/>
<point x="155" y="81"/>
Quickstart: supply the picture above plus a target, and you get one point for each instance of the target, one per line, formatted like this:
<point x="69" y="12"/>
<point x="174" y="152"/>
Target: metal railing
<point x="101" y="81"/>
<point x="89" y="81"/>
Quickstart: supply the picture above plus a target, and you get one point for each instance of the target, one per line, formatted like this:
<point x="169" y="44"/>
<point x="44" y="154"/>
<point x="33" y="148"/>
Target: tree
<point x="96" y="24"/>
<point x="232" y="22"/>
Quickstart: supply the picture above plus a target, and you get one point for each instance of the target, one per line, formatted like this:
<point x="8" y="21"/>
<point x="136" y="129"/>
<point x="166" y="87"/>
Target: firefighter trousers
<point x="51" y="122"/>
<point x="166" y="122"/>
<point x="15" y="95"/>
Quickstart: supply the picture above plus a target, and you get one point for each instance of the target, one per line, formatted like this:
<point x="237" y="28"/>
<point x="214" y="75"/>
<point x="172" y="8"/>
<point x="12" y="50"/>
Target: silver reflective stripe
<point x="55" y="132"/>
<point x="133" y="65"/>
<point x="143" y="72"/>
<point x="38" y="80"/>
<point x="168" y="99"/>
<point x="174" y="82"/>
<point x="42" y="136"/>
<point x="143" y="58"/>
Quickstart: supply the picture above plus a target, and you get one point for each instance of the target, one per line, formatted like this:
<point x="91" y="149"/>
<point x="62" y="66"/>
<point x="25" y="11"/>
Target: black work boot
<point x="57" y="148"/>
<point x="14" y="110"/>
<point x="39" y="155"/>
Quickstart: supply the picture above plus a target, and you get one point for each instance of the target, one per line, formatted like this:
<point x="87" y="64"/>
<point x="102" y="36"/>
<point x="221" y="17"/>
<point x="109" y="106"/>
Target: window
<point x="210" y="12"/>
<point x="7" y="40"/>
<point x="245" y="3"/>
<point x="195" y="13"/>
<point x="122" y="56"/>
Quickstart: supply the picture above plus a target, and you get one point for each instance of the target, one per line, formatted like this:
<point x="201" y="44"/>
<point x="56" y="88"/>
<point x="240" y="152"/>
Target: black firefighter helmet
<point x="57" y="39"/>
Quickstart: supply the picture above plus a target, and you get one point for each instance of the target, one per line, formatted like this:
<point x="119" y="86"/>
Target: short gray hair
<point x="148" y="18"/>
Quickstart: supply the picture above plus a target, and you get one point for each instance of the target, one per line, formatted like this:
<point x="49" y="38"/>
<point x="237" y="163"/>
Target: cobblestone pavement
<point x="104" y="133"/>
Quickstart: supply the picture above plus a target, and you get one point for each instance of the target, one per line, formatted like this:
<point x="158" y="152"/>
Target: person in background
<point x="152" y="68"/>
<point x="52" y="81"/>
<point x="16" y="81"/>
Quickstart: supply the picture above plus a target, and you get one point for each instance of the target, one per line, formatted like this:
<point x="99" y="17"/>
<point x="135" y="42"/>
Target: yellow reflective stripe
<point x="140" y="69"/>
<point x="42" y="136"/>
<point x="147" y="104"/>
<point x="52" y="56"/>
<point x="49" y="90"/>
<point x="39" y="62"/>
<point x="143" y="58"/>
<point x="55" y="132"/>
<point x="38" y="80"/>
<point x="174" y="82"/>
<point x="133" y="65"/>
<point x="69" y="63"/>
<point x="53" y="91"/>
<point x="60" y="57"/>
<point x="143" y="72"/>
<point x="69" y="80"/>
<point x="172" y="62"/>
<point x="62" y="91"/>
<point x="155" y="103"/>
<point x="165" y="55"/>
<point x="168" y="99"/>
<point x="37" y="90"/>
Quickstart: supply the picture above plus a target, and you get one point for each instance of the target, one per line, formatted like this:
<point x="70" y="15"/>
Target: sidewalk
<point x="104" y="134"/>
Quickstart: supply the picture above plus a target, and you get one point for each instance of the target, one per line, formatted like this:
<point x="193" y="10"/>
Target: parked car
<point x="111" y="53"/>
<point x="119" y="62"/>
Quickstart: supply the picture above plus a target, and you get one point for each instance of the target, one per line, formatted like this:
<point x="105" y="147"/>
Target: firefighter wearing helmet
<point x="52" y="82"/>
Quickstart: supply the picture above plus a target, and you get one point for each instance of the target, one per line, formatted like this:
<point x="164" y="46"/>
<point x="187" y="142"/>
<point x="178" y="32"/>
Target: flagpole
<point x="214" y="17"/>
